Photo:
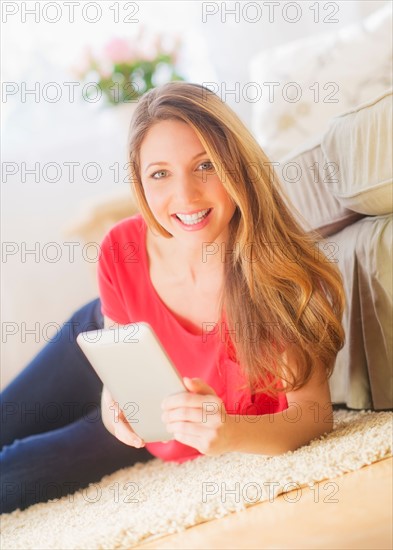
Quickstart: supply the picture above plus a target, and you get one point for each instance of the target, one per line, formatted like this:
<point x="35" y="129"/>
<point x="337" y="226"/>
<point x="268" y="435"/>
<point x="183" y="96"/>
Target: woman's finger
<point x="184" y="414"/>
<point x="127" y="435"/>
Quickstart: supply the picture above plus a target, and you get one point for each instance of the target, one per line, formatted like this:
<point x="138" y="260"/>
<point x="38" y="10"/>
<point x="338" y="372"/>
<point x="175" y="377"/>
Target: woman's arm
<point x="198" y="418"/>
<point x="309" y="415"/>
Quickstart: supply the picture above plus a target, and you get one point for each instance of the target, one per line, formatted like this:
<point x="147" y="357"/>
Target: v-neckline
<point x="169" y="313"/>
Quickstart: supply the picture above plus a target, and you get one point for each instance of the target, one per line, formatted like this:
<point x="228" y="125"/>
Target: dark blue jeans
<point x="53" y="441"/>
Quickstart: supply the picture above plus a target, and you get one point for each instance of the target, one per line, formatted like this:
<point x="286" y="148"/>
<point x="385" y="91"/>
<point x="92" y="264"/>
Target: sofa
<point x="345" y="194"/>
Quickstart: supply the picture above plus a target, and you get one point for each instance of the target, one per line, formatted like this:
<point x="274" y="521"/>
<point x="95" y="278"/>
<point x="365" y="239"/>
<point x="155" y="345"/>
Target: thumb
<point x="197" y="385"/>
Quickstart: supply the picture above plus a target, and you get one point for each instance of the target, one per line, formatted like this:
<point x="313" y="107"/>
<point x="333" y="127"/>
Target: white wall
<point x="232" y="43"/>
<point x="34" y="290"/>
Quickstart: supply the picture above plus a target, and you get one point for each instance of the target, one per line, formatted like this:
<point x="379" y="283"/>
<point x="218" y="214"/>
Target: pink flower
<point x="119" y="50"/>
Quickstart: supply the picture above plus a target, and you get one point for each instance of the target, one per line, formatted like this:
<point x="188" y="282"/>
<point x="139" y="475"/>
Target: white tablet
<point x="138" y="373"/>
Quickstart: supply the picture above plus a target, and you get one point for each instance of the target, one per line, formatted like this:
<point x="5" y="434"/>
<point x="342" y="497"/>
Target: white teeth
<point x="191" y="219"/>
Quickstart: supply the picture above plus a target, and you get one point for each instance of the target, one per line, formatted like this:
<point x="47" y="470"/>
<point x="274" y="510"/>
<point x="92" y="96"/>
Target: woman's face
<point x="180" y="182"/>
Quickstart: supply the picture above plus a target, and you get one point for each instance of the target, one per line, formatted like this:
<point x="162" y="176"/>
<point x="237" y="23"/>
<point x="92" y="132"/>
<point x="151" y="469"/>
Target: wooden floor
<point x="361" y="518"/>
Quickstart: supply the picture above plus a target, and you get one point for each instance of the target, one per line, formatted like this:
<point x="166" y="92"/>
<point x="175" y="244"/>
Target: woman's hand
<point x="116" y="423"/>
<point x="198" y="419"/>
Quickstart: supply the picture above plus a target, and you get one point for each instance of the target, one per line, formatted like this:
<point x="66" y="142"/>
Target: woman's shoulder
<point x="127" y="229"/>
<point x="122" y="249"/>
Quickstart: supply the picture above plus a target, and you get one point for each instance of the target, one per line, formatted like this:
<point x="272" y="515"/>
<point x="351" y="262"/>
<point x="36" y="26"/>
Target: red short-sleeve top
<point x="128" y="296"/>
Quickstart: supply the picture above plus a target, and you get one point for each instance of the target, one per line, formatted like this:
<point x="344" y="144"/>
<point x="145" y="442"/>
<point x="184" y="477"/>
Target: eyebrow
<point x="166" y="163"/>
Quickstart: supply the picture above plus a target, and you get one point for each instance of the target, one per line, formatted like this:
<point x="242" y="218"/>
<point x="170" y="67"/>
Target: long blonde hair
<point x="277" y="281"/>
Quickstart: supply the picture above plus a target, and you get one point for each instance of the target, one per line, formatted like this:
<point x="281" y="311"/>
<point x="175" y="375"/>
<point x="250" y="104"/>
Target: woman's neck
<point x="186" y="265"/>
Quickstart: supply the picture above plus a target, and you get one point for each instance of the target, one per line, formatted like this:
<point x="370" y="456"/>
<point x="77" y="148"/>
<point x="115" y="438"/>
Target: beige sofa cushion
<point x="303" y="174"/>
<point x="360" y="144"/>
<point x="363" y="373"/>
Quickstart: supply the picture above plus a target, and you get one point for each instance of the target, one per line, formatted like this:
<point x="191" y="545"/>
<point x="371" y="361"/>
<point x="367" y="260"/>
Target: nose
<point x="188" y="190"/>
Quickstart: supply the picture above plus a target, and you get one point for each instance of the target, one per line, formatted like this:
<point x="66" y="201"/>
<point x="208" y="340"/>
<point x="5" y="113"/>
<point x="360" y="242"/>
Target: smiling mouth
<point x="192" y="219"/>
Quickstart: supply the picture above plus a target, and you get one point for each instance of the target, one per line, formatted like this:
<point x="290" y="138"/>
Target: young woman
<point x="244" y="302"/>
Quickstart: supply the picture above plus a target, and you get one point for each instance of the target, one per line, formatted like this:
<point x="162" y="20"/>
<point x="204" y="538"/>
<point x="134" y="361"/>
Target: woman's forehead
<point x="170" y="137"/>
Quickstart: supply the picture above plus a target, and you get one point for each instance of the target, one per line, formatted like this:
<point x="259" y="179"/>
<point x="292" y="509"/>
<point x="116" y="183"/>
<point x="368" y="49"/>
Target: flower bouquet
<point x="127" y="68"/>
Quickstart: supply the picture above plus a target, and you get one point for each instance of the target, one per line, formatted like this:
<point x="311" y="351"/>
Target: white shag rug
<point x="158" y="498"/>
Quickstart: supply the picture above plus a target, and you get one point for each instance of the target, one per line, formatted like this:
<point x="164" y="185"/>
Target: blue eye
<point x="208" y="162"/>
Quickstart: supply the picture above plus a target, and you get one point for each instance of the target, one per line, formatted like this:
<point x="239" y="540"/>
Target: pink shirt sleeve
<point x="108" y="283"/>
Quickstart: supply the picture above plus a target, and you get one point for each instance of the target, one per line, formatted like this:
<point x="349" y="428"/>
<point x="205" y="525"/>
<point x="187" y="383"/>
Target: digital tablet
<point x="134" y="366"/>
